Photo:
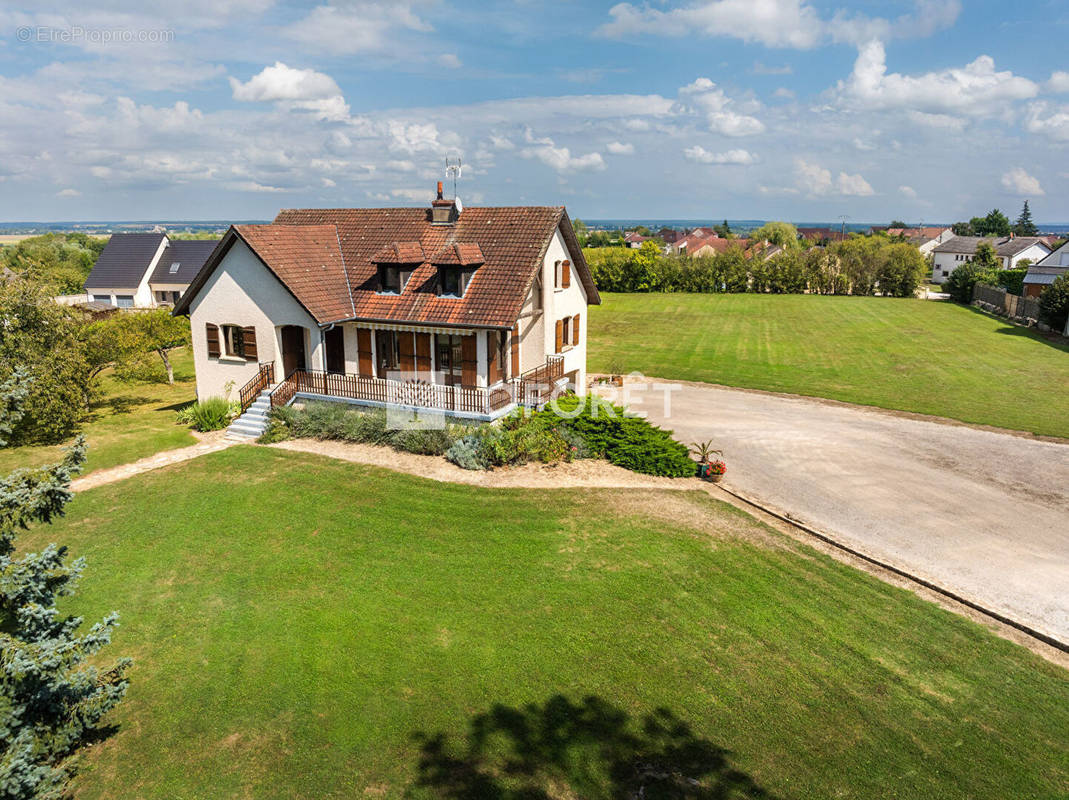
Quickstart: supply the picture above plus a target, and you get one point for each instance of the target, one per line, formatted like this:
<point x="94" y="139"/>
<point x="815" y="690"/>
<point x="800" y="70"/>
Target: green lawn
<point x="911" y="355"/>
<point x="130" y="421"/>
<point x="304" y="627"/>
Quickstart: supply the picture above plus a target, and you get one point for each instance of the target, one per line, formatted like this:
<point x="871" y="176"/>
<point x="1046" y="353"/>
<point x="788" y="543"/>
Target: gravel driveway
<point x="981" y="513"/>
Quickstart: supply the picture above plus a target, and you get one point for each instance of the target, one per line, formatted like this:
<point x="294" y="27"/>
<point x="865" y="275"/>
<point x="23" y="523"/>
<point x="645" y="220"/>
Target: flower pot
<point x="714" y="477"/>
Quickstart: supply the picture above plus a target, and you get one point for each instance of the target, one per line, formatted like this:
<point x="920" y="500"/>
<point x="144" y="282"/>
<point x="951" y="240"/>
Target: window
<point x="102" y="298"/>
<point x="556" y="274"/>
<point x="451" y="282"/>
<point x="503" y="354"/>
<point x="233" y="341"/>
<point x="174" y="267"/>
<point x="537" y="289"/>
<point x="392" y="278"/>
<point x="566" y="331"/>
<point x="124" y="300"/>
<point x="387" y="352"/>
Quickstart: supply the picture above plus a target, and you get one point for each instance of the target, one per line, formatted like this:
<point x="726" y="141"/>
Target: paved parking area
<point x="981" y="513"/>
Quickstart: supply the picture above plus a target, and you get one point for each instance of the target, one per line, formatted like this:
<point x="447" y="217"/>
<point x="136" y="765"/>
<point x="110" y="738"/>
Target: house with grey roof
<point x="146" y="270"/>
<point x="1043" y="274"/>
<point x="1011" y="251"/>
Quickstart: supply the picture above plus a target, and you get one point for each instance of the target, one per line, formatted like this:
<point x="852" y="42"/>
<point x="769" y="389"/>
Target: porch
<point x="411" y="392"/>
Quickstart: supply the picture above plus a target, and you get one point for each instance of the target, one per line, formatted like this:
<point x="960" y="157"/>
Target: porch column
<point x="481" y="359"/>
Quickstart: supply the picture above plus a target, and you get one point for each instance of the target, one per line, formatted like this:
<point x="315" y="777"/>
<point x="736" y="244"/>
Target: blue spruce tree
<point x="51" y="700"/>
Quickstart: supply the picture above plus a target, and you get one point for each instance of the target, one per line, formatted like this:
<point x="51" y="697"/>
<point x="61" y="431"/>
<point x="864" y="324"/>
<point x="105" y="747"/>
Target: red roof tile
<point x="400" y="253"/>
<point x="462" y="255"/>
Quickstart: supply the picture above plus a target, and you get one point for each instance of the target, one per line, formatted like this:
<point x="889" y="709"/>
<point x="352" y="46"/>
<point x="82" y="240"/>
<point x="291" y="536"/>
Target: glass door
<point x="449" y="358"/>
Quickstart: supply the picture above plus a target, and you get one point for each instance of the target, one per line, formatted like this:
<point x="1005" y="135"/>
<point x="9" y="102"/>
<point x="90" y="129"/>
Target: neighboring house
<point x="670" y="235"/>
<point x="712" y="245"/>
<point x="1043" y="274"/>
<point x="634" y="240"/>
<point x="958" y="250"/>
<point x="819" y="235"/>
<point x="145" y="270"/>
<point x="924" y="239"/>
<point x="455" y="309"/>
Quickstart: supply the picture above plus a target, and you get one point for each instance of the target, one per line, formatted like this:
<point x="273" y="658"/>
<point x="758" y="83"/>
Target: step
<point x="247" y="428"/>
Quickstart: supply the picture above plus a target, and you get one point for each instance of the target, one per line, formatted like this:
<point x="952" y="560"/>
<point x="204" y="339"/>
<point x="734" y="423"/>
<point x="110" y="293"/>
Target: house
<point x="464" y="310"/>
<point x="821" y="235"/>
<point x="1010" y="250"/>
<point x="145" y="270"/>
<point x="712" y="245"/>
<point x="670" y="235"/>
<point x="1043" y="274"/>
<point x="634" y="240"/>
<point x="924" y="239"/>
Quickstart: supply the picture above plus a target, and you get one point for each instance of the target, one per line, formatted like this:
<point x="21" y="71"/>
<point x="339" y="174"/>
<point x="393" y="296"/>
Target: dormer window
<point x="393" y="278"/>
<point x="453" y="281"/>
<point x="174" y="267"/>
<point x="456" y="264"/>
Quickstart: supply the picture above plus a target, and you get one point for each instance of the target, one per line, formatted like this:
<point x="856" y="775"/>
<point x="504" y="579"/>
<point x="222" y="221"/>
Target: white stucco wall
<point x="243" y="292"/>
<point x="948" y="262"/>
<point x="561" y="303"/>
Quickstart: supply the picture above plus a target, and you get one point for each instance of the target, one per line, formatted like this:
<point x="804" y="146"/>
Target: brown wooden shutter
<point x="565" y="274"/>
<point x="469" y="360"/>
<point x="560" y="336"/>
<point x="516" y="350"/>
<point x="406" y="345"/>
<point x="493" y="358"/>
<point x="575" y="329"/>
<point x="212" y="333"/>
<point x="248" y="339"/>
<point x="363" y="351"/>
<point x="423" y="356"/>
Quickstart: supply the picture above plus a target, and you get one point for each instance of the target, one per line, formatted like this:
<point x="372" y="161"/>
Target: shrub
<point x="212" y="414"/>
<point x="1054" y="303"/>
<point x="960" y="283"/>
<point x="468" y="453"/>
<point x="434" y="442"/>
<point x="343" y="423"/>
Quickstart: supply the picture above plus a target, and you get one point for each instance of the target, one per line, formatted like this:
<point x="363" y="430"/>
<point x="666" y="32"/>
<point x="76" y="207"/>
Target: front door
<point x="334" y="340"/>
<point x="292" y="349"/>
<point x="450" y="358"/>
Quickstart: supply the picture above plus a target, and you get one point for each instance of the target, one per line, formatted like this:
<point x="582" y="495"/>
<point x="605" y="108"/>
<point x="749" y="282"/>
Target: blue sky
<point x="928" y="110"/>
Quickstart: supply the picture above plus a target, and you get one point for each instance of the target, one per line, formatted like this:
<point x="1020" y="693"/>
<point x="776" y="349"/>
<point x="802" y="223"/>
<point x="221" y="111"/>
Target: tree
<point x="901" y="269"/>
<point x="959" y="285"/>
<point x="780" y="233"/>
<point x="963" y="228"/>
<point x="51" y="699"/>
<point x="42" y="336"/>
<point x="897" y="224"/>
<point x="581" y="231"/>
<point x="157" y="332"/>
<point x="62" y="261"/>
<point x="1024" y="225"/>
<point x="1054" y="303"/>
<point x="994" y="224"/>
<point x="723" y="230"/>
<point x="986" y="259"/>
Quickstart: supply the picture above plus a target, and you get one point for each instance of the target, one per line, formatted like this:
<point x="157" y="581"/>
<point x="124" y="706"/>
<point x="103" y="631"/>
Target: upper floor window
<point x="233" y="340"/>
<point x="392" y="278"/>
<point x="562" y="274"/>
<point x="453" y="281"/>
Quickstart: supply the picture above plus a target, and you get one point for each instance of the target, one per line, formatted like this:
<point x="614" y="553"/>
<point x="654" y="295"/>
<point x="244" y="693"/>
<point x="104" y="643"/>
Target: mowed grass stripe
<point x="296" y="621"/>
<point x="910" y="355"/>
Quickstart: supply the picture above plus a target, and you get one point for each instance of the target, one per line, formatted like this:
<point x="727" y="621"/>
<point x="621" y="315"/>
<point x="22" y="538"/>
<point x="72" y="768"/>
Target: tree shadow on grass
<point x="587" y="749"/>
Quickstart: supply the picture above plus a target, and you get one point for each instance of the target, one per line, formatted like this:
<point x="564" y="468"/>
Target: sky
<point x="925" y="110"/>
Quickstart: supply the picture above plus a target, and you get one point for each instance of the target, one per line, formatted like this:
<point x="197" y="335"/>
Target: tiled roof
<point x="511" y="239"/>
<point x="716" y="243"/>
<point x="461" y="255"/>
<point x="124" y="261"/>
<point x="1009" y="246"/>
<point x="400" y="253"/>
<point x="189" y="254"/>
<point x="308" y="260"/>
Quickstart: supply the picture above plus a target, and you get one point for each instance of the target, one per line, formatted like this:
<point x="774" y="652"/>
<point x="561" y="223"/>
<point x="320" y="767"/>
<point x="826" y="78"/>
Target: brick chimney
<point x="444" y="212"/>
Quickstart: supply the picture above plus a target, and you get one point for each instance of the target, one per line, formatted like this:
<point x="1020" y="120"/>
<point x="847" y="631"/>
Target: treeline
<point x="860" y="266"/>
<point x="60" y="260"/>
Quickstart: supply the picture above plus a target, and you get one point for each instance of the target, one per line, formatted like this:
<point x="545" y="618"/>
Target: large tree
<point x="51" y="698"/>
<point x="994" y="224"/>
<point x="783" y="234"/>
<point x="986" y="259"/>
<point x="1024" y="225"/>
<point x="61" y="261"/>
<point x="43" y="337"/>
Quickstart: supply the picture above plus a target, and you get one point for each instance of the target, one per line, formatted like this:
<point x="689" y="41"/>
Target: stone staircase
<point x="254" y="421"/>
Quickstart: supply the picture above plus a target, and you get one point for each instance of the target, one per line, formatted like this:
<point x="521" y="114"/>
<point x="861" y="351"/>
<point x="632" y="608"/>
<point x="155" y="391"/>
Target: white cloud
<point x="703" y="156"/>
<point x="783" y="93"/>
<point x="356" y="27"/>
<point x="908" y="191"/>
<point x="562" y="160"/>
<point x="450" y="60"/>
<point x="776" y="23"/>
<point x="254" y="186"/>
<point x="1059" y="82"/>
<point x="1053" y="124"/>
<point x="68" y="193"/>
<point x="282" y="82"/>
<point x="304" y="89"/>
<point x="620" y="148"/>
<point x="816" y="180"/>
<point x="975" y="90"/>
<point x="1021" y="183"/>
<point x="702" y="95"/>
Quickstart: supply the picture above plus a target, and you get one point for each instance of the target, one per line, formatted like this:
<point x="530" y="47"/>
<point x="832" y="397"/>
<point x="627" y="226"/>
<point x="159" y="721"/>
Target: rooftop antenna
<point x="844" y="218"/>
<point x="453" y="169"/>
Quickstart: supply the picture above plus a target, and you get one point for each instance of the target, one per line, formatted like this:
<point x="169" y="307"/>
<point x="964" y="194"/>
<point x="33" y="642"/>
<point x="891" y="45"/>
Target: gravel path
<point x="209" y="443"/>
<point x="982" y="513"/>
